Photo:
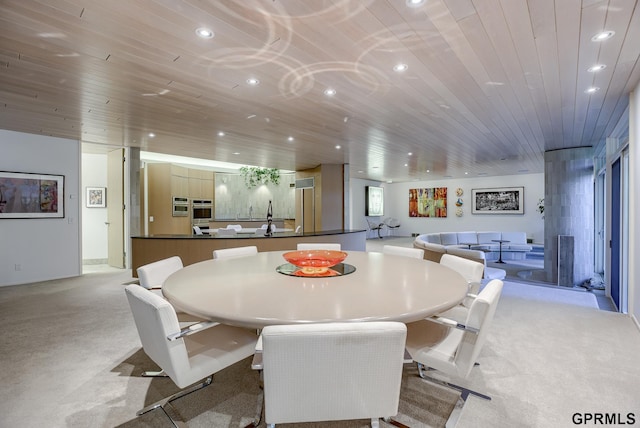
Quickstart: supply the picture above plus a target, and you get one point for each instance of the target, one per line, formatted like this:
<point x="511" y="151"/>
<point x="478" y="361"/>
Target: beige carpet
<point x="71" y="357"/>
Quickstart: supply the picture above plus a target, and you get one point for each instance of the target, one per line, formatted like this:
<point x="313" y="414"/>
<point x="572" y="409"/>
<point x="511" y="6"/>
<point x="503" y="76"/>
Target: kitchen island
<point x="196" y="248"/>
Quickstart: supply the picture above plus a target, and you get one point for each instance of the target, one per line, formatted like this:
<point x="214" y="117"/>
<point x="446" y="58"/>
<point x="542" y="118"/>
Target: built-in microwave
<point x="180" y="207"/>
<point x="201" y="211"/>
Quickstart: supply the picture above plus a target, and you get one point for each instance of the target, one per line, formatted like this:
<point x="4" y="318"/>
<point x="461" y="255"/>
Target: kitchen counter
<point x="196" y="248"/>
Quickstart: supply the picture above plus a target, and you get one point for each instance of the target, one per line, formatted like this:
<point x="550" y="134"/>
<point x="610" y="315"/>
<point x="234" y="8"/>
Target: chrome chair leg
<point x="162" y="403"/>
<point x="258" y="417"/>
<point x="160" y="373"/>
<point x="464" y="394"/>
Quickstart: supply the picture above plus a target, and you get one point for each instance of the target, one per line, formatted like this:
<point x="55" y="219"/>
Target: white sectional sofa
<point x="516" y="249"/>
<point x="477" y="246"/>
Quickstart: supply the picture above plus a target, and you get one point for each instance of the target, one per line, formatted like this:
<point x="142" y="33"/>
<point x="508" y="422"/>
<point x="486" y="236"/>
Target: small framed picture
<point x="96" y="197"/>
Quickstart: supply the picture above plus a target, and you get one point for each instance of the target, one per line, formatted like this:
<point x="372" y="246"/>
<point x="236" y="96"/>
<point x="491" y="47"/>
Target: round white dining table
<point x="249" y="292"/>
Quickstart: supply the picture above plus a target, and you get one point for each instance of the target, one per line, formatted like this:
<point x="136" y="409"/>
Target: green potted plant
<point x="253" y="176"/>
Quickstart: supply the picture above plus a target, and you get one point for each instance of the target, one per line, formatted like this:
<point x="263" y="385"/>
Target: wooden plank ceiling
<point x="490" y="84"/>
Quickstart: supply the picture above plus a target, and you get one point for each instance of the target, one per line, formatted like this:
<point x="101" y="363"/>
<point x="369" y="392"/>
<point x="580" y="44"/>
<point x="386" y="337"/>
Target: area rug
<point x="232" y="399"/>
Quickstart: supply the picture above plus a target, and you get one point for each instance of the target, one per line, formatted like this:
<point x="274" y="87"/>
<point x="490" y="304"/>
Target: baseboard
<point x="95" y="261"/>
<point x="635" y="321"/>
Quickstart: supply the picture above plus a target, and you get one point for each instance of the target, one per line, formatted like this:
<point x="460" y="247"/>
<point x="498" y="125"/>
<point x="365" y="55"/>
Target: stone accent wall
<point x="568" y="210"/>
<point x="233" y="199"/>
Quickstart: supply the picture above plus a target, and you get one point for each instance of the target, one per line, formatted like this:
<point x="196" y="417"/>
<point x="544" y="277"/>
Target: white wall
<point x="397" y="205"/>
<point x="43" y="248"/>
<point x="357" y="219"/>
<point x="94" y="228"/>
<point x="634" y="204"/>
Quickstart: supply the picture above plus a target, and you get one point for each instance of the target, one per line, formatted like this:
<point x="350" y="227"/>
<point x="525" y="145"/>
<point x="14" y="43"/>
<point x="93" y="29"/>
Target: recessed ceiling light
<point x="406" y="164"/>
<point x="389" y="181"/>
<point x="205" y="33"/>
<point x="603" y="36"/>
<point x="253" y="81"/>
<point x="236" y="153"/>
<point x="410" y="154"/>
<point x="251" y="116"/>
<point x="151" y="134"/>
<point x="360" y="172"/>
<point x="290" y="139"/>
<point x="596" y="68"/>
<point x="400" y="67"/>
<point x="338" y="147"/>
<point x="329" y="92"/>
<point x="428" y="170"/>
<point x="415" y="3"/>
<point x="220" y="134"/>
<point x="592" y="89"/>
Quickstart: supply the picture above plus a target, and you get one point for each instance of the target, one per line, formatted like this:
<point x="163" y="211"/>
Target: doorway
<point x="619" y="240"/>
<point x="115" y="208"/>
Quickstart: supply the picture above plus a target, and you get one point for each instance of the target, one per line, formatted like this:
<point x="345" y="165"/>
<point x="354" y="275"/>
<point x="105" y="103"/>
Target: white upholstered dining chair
<point x="450" y="347"/>
<point x="227" y="232"/>
<point x="232" y="253"/>
<point x="152" y="275"/>
<point x="472" y="272"/>
<point x="189" y="355"/>
<point x="357" y="371"/>
<point x="416" y="253"/>
<point x="318" y="246"/>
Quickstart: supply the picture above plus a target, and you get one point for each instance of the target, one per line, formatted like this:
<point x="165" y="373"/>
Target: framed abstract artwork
<point x="96" y="197"/>
<point x="30" y="195"/>
<point x="500" y="200"/>
<point x="428" y="202"/>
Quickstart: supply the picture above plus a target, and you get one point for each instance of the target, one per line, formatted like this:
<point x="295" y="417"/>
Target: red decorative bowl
<point x="314" y="262"/>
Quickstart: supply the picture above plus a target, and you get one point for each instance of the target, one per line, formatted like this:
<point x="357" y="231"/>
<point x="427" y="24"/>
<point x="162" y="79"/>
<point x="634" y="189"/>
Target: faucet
<point x="250" y="212"/>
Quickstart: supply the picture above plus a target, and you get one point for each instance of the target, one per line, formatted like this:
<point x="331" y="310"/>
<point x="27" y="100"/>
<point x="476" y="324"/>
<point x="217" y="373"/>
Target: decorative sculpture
<point x="269" y="220"/>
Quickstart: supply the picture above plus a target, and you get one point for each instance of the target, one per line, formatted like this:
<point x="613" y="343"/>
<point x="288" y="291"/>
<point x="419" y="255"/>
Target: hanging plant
<point x="541" y="207"/>
<point x="254" y="176"/>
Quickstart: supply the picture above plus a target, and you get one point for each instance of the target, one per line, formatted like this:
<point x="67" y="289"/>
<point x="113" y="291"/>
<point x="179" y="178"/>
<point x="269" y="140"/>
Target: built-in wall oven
<point x="180" y="206"/>
<point x="201" y="212"/>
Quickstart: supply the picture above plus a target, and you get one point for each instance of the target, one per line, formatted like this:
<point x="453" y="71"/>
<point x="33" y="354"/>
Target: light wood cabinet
<point x="179" y="181"/>
<point x="166" y="181"/>
<point x="201" y="184"/>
